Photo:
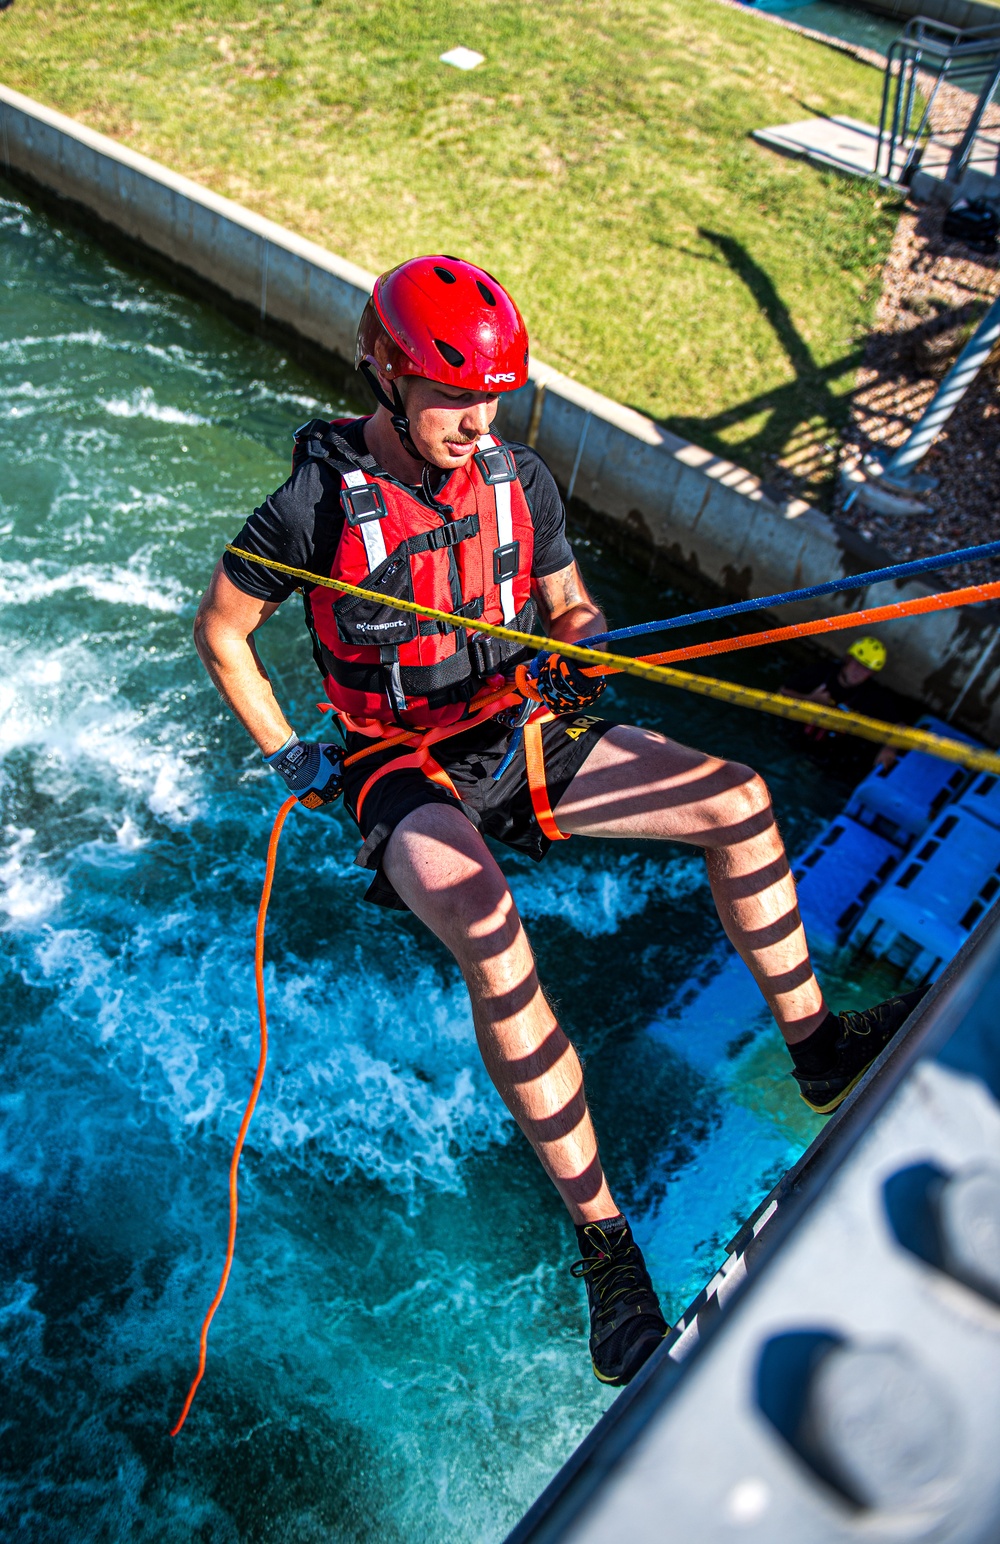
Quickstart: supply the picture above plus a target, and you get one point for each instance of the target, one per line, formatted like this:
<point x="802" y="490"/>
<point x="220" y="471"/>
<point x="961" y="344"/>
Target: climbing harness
<point x="529" y="716"/>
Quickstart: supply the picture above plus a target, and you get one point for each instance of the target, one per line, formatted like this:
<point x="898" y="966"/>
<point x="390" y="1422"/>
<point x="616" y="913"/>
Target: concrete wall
<point x="928" y="189"/>
<point x="657" y="491"/>
<point x="282" y="275"/>
<point x="957" y="13"/>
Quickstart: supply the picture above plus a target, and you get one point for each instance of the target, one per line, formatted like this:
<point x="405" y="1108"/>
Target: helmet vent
<point x="449" y="353"/>
<point x="445" y="275"/>
<point x="486" y="293"/>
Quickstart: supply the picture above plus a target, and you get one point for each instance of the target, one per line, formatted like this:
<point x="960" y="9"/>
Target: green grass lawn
<point x="598" y="163"/>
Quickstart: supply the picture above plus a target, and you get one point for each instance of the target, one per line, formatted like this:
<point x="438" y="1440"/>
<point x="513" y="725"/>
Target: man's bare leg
<point x="637" y="783"/>
<point x="441" y="867"/>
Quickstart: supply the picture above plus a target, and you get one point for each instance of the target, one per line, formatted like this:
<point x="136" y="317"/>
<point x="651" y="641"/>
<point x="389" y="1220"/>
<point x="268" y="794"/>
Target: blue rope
<point x="524" y="713"/>
<point x="854" y="582"/>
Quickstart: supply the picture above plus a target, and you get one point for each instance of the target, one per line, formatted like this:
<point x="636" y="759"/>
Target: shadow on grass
<point x="791" y="409"/>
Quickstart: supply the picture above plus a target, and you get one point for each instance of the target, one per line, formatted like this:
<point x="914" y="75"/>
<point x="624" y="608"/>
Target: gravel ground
<point x="934" y="290"/>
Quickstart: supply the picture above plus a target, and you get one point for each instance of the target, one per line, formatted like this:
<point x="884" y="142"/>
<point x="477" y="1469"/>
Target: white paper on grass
<point x="463" y="58"/>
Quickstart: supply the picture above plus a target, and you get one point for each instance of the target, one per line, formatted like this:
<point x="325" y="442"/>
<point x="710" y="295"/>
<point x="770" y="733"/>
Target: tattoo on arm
<point x="562" y="591"/>
<point x="564" y="595"/>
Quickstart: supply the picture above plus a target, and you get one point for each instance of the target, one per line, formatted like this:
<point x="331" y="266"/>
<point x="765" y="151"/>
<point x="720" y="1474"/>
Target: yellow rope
<point x="802" y="712"/>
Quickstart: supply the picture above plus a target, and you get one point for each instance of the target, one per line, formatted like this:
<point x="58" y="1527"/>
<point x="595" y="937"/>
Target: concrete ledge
<point x="655" y="490"/>
<point x="928" y="189"/>
<point x="256" y="261"/>
<point x="955" y="13"/>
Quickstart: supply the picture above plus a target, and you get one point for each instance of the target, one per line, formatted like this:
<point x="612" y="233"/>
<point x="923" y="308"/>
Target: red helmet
<point x="448" y="321"/>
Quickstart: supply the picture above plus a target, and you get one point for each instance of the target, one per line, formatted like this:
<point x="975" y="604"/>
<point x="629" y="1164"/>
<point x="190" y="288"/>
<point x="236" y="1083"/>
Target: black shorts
<point x="499" y="809"/>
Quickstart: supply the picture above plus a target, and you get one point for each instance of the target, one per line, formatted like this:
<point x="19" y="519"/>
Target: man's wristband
<point x="282" y="750"/>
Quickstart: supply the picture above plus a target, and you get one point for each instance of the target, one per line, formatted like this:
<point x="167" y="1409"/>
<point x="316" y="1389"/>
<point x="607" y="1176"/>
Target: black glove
<point x="313" y="771"/>
<point x="564" y="688"/>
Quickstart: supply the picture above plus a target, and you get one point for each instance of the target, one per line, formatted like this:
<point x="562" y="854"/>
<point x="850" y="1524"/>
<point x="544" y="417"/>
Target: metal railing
<point x="932" y="54"/>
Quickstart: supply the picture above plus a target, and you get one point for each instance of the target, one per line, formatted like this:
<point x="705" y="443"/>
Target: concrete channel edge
<point x="659" y="492"/>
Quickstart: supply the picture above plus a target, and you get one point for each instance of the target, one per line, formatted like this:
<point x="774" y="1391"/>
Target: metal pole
<point x="971" y="678"/>
<point x="911" y="87"/>
<point x="891" y="57"/>
<point x="947" y="397"/>
<point x="579" y="454"/>
<point x="904" y="66"/>
<point x="963" y="149"/>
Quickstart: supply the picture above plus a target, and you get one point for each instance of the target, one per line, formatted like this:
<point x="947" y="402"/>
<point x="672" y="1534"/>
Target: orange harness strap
<point x="534" y="761"/>
<point x="420" y="759"/>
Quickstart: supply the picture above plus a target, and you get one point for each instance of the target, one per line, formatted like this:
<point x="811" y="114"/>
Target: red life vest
<point x="466" y="549"/>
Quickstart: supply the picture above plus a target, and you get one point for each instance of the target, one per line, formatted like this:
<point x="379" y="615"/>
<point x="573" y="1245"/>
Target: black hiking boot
<point x="861" y="1038"/>
<point x="626" y="1324"/>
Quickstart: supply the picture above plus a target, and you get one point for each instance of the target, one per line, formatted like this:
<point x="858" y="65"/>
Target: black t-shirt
<point x="300" y="524"/>
<point x="846" y="753"/>
<point x="867" y="697"/>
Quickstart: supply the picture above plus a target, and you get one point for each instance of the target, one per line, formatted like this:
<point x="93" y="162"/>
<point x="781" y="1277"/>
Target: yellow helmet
<point x="870" y="652"/>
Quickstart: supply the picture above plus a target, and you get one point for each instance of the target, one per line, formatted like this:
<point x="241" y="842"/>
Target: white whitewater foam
<point x="26" y="399"/>
<point x="62" y="704"/>
<point x="17" y="349"/>
<point x="366" y="1075"/>
<point x="27" y="893"/>
<point x="142" y="404"/>
<point x="128" y="836"/>
<point x="118" y="584"/>
<point x="595" y="898"/>
<point x="264" y="392"/>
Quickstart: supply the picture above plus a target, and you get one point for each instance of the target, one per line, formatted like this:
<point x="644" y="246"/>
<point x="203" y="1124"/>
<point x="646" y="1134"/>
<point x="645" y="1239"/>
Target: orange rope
<point x="505" y="695"/>
<point x="265" y="896"/>
<point x="973" y="595"/>
<point x="522" y="687"/>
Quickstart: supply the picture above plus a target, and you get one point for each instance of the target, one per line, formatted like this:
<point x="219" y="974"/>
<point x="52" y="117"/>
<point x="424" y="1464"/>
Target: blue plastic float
<point x="910" y="866"/>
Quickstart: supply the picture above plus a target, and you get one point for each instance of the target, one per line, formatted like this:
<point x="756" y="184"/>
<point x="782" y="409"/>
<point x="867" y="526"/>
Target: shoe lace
<point x="613" y="1273"/>
<point x="863" y="1023"/>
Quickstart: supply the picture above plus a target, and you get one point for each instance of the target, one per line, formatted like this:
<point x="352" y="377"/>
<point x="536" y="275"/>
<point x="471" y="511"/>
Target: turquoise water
<point x="845" y="22"/>
<point x="401" y="1353"/>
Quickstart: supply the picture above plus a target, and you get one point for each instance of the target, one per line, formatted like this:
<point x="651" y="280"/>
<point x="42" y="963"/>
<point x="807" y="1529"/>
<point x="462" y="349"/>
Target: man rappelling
<point x="421" y="501"/>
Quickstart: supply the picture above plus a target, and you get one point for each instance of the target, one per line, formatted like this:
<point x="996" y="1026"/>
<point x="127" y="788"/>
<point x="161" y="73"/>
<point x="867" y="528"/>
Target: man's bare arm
<point x="567" y="610"/>
<point x="223" y="635"/>
<point x="819" y="695"/>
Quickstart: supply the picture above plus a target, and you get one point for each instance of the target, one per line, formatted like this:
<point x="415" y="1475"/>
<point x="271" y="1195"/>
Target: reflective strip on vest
<point x="505" y="532"/>
<point x="371" y="530"/>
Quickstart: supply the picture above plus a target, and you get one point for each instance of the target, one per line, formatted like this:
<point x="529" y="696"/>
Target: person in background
<point x="849" y="684"/>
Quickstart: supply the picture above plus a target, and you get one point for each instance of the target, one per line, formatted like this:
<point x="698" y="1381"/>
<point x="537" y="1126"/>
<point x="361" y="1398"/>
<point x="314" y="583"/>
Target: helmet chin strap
<point x="397" y="413"/>
<point x="394" y="406"/>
